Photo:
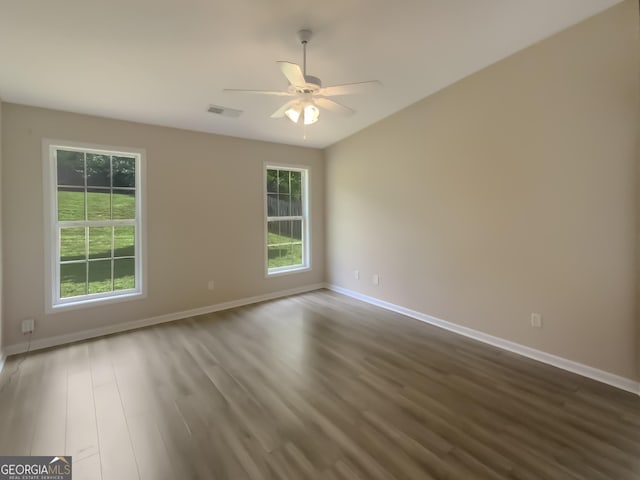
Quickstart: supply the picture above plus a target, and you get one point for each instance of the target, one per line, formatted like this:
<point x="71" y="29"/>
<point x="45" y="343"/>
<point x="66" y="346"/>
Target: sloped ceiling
<point x="165" y="61"/>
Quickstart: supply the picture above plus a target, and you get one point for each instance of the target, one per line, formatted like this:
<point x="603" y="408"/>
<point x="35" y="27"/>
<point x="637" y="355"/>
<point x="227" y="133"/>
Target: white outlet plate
<point x="536" y="320"/>
<point x="28" y="325"/>
<point x="211" y="285"/>
<point x="356" y="274"/>
<point x="376" y="279"/>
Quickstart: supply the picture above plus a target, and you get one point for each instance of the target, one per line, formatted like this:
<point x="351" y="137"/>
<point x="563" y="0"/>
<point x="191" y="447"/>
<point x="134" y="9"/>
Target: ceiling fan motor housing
<point x="312" y="85"/>
<point x="313" y="82"/>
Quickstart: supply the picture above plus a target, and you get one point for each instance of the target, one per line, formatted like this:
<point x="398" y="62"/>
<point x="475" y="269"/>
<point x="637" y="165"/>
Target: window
<point x="287" y="219"/>
<point x="94" y="224"/>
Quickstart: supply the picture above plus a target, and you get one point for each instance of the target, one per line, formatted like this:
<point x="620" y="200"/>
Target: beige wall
<point x="204" y="218"/>
<point x="510" y="192"/>
<point x="1" y="290"/>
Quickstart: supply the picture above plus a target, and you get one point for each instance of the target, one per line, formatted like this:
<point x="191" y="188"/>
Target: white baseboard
<point x="617" y="381"/>
<point x="38" y="344"/>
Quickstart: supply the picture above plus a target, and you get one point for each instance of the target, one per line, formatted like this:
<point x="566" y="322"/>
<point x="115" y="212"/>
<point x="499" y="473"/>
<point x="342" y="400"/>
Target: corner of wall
<point x="636" y="8"/>
<point x="325" y="239"/>
<point x="2" y="356"/>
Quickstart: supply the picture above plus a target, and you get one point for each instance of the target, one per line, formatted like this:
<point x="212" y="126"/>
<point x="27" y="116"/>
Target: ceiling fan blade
<point x="293" y="72"/>
<point x="350" y="88"/>
<point x="259" y="92"/>
<point x="333" y="106"/>
<point x="280" y="112"/>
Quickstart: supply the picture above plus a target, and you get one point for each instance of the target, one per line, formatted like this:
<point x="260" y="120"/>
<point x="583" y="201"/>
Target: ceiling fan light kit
<point x="308" y="113"/>
<point x="308" y="90"/>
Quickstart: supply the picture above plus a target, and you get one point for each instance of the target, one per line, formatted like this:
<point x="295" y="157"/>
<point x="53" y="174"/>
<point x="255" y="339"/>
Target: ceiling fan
<point x="308" y="91"/>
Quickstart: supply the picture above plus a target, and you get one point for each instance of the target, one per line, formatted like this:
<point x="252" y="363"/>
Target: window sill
<point x="95" y="302"/>
<point x="287" y="271"/>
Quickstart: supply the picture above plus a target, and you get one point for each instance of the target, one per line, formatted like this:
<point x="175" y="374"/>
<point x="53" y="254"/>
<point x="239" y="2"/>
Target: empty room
<point x="346" y="240"/>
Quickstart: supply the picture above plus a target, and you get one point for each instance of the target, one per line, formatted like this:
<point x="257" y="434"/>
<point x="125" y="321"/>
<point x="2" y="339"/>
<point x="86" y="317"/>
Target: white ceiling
<point x="165" y="61"/>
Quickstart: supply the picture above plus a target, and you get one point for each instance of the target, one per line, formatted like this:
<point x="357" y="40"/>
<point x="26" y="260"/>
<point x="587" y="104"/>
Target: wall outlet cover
<point x="536" y="320"/>
<point x="28" y="325"/>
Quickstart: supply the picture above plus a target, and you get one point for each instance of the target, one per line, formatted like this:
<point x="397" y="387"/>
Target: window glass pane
<point x="100" y="240"/>
<point x="279" y="256"/>
<point x="98" y="204"/>
<point x="124" y="241"/>
<point x="277" y="232"/>
<point x="273" y="229"/>
<point x="283" y="205"/>
<point x="283" y="181"/>
<point x="70" y="166"/>
<point x="272" y="204"/>
<point x="285" y="231"/>
<point x="100" y="276"/>
<point x="70" y="204"/>
<point x="296" y="230"/>
<point x="296" y="183"/>
<point x="272" y="181"/>
<point x="72" y="244"/>
<point x="296" y="204"/>
<point x="285" y="243"/>
<point x="296" y="254"/>
<point x="124" y="172"/>
<point x="98" y="170"/>
<point x="73" y="279"/>
<point x="124" y="272"/>
<point x="124" y="204"/>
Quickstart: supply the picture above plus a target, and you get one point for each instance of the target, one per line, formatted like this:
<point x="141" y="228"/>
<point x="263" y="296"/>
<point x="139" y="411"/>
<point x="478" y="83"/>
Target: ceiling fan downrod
<point x="304" y="36"/>
<point x="304" y="58"/>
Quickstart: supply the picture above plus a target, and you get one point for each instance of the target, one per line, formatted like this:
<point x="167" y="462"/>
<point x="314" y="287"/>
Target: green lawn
<point x="71" y="205"/>
<point x="97" y="253"/>
<point x="80" y="279"/>
<point x="283" y="251"/>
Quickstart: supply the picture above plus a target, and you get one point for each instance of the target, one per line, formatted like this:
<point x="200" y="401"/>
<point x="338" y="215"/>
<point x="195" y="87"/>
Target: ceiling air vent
<point x="224" y="111"/>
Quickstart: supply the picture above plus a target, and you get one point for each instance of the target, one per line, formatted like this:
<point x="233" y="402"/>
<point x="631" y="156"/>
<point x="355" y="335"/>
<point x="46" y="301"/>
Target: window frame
<point x="306" y="220"/>
<point x="53" y="302"/>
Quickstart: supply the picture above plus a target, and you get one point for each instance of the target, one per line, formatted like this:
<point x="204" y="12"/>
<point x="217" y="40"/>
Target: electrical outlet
<point x="376" y="279"/>
<point x="536" y="320"/>
<point x="28" y="326"/>
<point x="356" y="274"/>
<point x="211" y="285"/>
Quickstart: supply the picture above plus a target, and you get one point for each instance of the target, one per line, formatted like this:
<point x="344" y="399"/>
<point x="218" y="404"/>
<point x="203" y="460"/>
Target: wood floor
<point x="316" y="386"/>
